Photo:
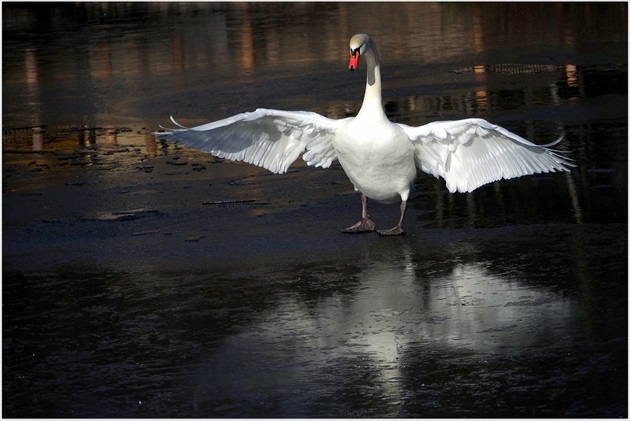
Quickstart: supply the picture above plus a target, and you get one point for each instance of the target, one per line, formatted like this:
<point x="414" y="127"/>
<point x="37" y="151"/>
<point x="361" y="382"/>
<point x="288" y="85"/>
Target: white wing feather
<point x="472" y="152"/>
<point x="271" y="139"/>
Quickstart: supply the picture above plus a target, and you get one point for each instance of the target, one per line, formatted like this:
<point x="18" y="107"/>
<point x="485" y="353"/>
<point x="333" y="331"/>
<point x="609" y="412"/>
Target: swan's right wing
<point x="271" y="139"/>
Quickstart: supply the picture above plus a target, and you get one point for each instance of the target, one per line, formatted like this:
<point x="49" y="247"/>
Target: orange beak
<point x="354" y="60"/>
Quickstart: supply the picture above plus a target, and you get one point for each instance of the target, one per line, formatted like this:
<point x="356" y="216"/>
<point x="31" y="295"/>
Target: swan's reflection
<point x="485" y="312"/>
<point x="361" y="340"/>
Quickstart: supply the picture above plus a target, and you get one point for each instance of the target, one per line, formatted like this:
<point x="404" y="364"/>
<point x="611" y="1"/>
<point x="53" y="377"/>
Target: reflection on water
<point x="508" y="301"/>
<point x="481" y="326"/>
<point x="127" y="58"/>
<point x="367" y="338"/>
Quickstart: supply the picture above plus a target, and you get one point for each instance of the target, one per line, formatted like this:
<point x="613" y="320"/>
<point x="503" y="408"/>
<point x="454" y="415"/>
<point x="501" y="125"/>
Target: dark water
<point x="144" y="280"/>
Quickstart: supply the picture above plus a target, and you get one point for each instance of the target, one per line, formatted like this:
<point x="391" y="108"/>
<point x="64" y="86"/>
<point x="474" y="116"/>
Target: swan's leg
<point x="365" y="224"/>
<point x="398" y="229"/>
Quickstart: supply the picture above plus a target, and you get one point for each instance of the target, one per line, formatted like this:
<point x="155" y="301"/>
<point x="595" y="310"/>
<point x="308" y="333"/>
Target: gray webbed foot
<point x="397" y="230"/>
<point x="364" y="225"/>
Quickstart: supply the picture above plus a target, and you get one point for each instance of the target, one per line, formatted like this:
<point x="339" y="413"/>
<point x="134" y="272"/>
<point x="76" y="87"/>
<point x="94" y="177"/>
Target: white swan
<point x="378" y="156"/>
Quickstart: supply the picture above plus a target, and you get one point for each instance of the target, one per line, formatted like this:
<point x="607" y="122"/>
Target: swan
<point x="380" y="158"/>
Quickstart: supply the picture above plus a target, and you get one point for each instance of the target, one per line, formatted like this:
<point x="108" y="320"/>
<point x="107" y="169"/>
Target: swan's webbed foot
<point x="364" y="225"/>
<point x="397" y="230"/>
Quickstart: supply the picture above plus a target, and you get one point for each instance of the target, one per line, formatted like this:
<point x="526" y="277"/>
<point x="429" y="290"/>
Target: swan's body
<point x="378" y="156"/>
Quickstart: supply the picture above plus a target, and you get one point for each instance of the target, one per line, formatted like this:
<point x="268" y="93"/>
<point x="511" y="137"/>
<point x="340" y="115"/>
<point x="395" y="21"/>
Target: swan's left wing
<point x="472" y="152"/>
<point x="271" y="139"/>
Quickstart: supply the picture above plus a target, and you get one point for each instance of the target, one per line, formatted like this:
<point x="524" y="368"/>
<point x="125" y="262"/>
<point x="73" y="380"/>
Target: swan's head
<point x="358" y="44"/>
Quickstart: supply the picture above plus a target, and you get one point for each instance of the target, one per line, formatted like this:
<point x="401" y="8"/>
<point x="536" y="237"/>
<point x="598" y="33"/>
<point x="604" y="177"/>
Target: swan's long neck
<point x="372" y="101"/>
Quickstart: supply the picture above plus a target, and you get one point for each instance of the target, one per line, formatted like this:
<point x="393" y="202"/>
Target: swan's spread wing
<point x="470" y="153"/>
<point x="270" y="139"/>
